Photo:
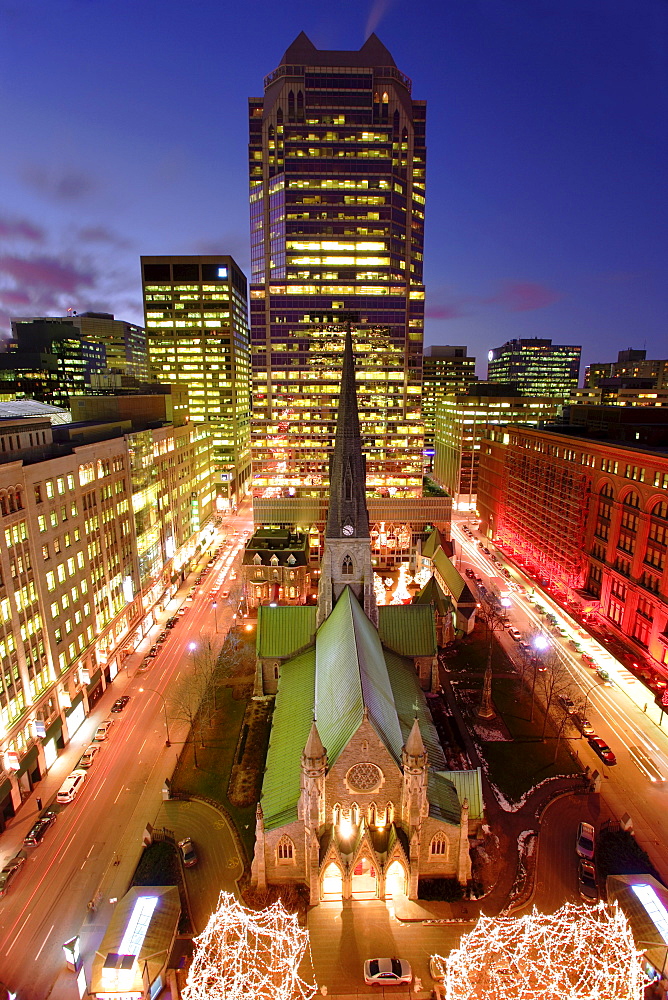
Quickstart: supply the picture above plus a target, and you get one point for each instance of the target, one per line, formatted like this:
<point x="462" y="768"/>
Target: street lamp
<point x="540" y="643"/>
<point x="587" y="693"/>
<point x="164" y="705"/>
<point x="214" y="605"/>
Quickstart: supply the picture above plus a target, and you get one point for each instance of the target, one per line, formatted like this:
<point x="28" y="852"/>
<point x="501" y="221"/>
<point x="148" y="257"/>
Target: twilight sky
<point x="123" y="128"/>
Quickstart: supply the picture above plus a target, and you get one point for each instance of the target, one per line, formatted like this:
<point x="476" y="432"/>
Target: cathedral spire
<point x="347" y="515"/>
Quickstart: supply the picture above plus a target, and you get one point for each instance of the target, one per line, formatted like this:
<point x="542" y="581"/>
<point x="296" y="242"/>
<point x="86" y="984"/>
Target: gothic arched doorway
<point x="395" y="880"/>
<point x="332" y="883"/>
<point x="364" y="881"/>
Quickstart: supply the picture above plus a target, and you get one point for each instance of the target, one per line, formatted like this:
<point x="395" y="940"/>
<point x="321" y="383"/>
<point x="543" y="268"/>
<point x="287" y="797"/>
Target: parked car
<point x="514" y="634"/>
<point x="153" y="651"/>
<point x="587" y="886"/>
<point x="71" y="786"/>
<point x="584" y="843"/>
<point x="102" y="731"/>
<point x="188" y="852"/>
<point x="589" y="661"/>
<point x="145" y="663"/>
<point x="181" y="612"/>
<point x="602" y="749"/>
<point x="171" y="622"/>
<point x="584" y="725"/>
<point x="34" y="837"/>
<point x="567" y="703"/>
<point x="470" y="574"/>
<point x="120" y="703"/>
<point x="378" y="971"/>
<point x="224" y="594"/>
<point x="436" y="970"/>
<point x="161" y="638"/>
<point x="89" y="755"/>
<point x="10" y="871"/>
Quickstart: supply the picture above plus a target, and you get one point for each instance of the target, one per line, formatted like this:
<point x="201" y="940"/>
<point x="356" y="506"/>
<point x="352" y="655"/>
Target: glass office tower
<point x="197" y="330"/>
<point x="538" y="367"/>
<point x="337" y="200"/>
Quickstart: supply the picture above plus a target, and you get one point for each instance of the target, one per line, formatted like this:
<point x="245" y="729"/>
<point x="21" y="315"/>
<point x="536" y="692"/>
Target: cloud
<point x="100" y="234"/>
<point x="523" y="296"/>
<point x="45" y="273"/>
<point x="61" y="185"/>
<point x="13" y="297"/>
<point x="379" y="9"/>
<point x="21" y="229"/>
<point x="451" y="311"/>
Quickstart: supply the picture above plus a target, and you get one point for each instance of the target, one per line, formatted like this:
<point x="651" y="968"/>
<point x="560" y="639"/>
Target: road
<point x="96" y="841"/>
<point x="615" y="711"/>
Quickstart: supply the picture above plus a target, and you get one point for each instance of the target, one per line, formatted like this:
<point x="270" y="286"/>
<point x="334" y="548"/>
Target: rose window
<point x="364" y="777"/>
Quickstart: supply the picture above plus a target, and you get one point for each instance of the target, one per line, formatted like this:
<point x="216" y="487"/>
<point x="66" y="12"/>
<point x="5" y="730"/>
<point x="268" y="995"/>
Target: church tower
<point x="347" y="554"/>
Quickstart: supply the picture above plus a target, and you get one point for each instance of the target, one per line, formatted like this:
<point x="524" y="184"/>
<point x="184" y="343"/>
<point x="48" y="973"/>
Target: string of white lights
<point x="576" y="953"/>
<point x="246" y="953"/>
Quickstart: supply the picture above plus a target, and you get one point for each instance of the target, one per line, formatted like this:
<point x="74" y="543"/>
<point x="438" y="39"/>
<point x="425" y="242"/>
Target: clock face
<point x="348" y="529"/>
<point x="490" y="355"/>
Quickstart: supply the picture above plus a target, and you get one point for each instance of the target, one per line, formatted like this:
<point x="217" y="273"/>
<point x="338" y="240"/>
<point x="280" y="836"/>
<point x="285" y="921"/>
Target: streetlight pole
<point x="587" y="693"/>
<point x="164" y="705"/>
<point x="214" y="604"/>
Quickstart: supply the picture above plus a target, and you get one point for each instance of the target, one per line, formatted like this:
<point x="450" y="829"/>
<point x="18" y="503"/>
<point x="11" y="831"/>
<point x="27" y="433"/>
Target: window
<point x="285" y="851"/>
<point x="347" y="567"/>
<point x="438" y="848"/>
<point x="641" y="631"/>
<point x="336" y="814"/>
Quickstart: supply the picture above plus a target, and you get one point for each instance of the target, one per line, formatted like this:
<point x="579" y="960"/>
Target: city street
<point x="93" y="847"/>
<point x="634" y="738"/>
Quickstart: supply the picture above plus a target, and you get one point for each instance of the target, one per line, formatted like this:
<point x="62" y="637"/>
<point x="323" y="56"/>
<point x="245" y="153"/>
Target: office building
<point x="99" y="521"/>
<point x="337" y="198"/>
<point x="630" y="364"/>
<point x="446" y="370"/>
<point x="589" y="513"/>
<point x="461" y="421"/>
<point x="51" y="358"/>
<point x="539" y="367"/>
<point x="196" y="313"/>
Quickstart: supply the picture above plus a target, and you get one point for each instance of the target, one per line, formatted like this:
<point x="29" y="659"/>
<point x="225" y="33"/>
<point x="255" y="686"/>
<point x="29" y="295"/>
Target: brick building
<point x="590" y="515"/>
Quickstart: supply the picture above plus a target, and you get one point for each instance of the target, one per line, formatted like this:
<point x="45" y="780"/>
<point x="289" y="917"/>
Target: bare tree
<point x="555" y="680"/>
<point x="186" y="705"/>
<point x="494" y="621"/>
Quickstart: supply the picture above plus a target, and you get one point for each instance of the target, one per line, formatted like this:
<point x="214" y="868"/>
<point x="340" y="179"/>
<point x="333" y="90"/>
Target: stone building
<point x="357" y="801"/>
<point x="275" y="568"/>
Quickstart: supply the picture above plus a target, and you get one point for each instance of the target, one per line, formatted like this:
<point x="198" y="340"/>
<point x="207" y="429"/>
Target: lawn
<point x="216" y="758"/>
<point x="516" y="764"/>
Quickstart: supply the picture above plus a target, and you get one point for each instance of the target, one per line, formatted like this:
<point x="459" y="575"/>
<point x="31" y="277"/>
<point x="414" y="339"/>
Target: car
<point x="71" y="786"/>
<point x="478" y="579"/>
<point x="436" y="970"/>
<point x="171" y="622"/>
<point x="102" y="731"/>
<point x="190" y="598"/>
<point x="524" y="646"/>
<point x="514" y="634"/>
<point x="145" y="663"/>
<point x="10" y="871"/>
<point x="470" y="574"/>
<point x="588" y="660"/>
<point x="188" y="852"/>
<point x="36" y="834"/>
<point x="602" y="749"/>
<point x="485" y="550"/>
<point x="584" y="842"/>
<point x="584" y="725"/>
<point x="605" y="676"/>
<point x="378" y="971"/>
<point x="181" y="612"/>
<point x="567" y="703"/>
<point x="233" y="575"/>
<point x="153" y="651"/>
<point x="89" y="755"/>
<point x="225" y="593"/>
<point x="120" y="703"/>
<point x="161" y="638"/>
<point x="587" y="886"/>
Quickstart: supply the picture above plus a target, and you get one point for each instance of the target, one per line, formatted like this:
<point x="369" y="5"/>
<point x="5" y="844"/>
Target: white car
<point x="102" y="730"/>
<point x="584" y="845"/>
<point x="381" y="971"/>
<point x="70" y="787"/>
<point x="514" y="634"/>
<point x="89" y="755"/>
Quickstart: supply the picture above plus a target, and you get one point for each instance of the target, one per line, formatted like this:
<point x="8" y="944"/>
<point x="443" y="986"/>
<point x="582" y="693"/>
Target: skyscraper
<point x="196" y="322"/>
<point x="337" y="193"/>
<point x="445" y="369"/>
<point x="539" y="367"/>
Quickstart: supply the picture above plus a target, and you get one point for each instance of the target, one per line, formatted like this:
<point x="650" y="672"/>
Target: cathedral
<point x="357" y="801"/>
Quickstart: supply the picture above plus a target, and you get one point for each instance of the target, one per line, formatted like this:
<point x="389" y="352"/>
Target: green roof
<point x="284" y="631"/>
<point x="408" y="629"/>
<point x="454" y="581"/>
<point x="410" y="702"/>
<point x="432" y="543"/>
<point x="351" y="673"/>
<point x="291" y="724"/>
<point x="432" y="594"/>
<point x="469" y="786"/>
<point x="443" y="799"/>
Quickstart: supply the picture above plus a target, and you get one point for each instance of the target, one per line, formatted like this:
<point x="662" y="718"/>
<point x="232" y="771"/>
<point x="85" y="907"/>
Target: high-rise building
<point x="461" y="422"/>
<point x="445" y="370"/>
<point x="337" y="198"/>
<point x="58" y="356"/>
<point x="539" y="367"/>
<point x="630" y="364"/>
<point x="196" y="312"/>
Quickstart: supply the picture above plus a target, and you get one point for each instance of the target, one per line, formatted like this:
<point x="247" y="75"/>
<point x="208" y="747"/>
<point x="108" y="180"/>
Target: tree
<point x="494" y="621"/>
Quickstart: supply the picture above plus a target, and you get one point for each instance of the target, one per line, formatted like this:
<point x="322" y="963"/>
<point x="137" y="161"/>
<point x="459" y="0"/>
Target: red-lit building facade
<point x="590" y="516"/>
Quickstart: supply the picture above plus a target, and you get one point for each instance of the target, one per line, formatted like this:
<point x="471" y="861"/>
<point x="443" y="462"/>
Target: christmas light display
<point x="401" y="594"/>
<point x="576" y="953"/>
<point x="379" y="590"/>
<point x="246" y="953"/>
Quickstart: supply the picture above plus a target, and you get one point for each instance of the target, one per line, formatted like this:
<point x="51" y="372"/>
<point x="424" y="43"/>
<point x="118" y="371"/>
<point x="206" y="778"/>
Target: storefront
<point x="53" y="741"/>
<point x="6" y="805"/>
<point x="95" y="688"/>
<point x="75" y="715"/>
<point x="28" y="773"/>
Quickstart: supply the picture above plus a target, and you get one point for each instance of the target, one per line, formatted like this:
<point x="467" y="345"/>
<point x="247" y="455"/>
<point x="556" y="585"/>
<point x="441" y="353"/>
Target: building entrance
<point x="365" y="880"/>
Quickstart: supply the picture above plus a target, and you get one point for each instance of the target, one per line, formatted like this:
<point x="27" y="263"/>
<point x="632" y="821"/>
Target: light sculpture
<point x="576" y="953"/>
<point x="249" y="953"/>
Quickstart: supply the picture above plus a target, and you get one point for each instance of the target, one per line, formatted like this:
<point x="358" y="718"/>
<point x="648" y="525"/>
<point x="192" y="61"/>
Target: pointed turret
<point x="314" y="749"/>
<point x="314" y="768"/>
<point x="414" y="745"/>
